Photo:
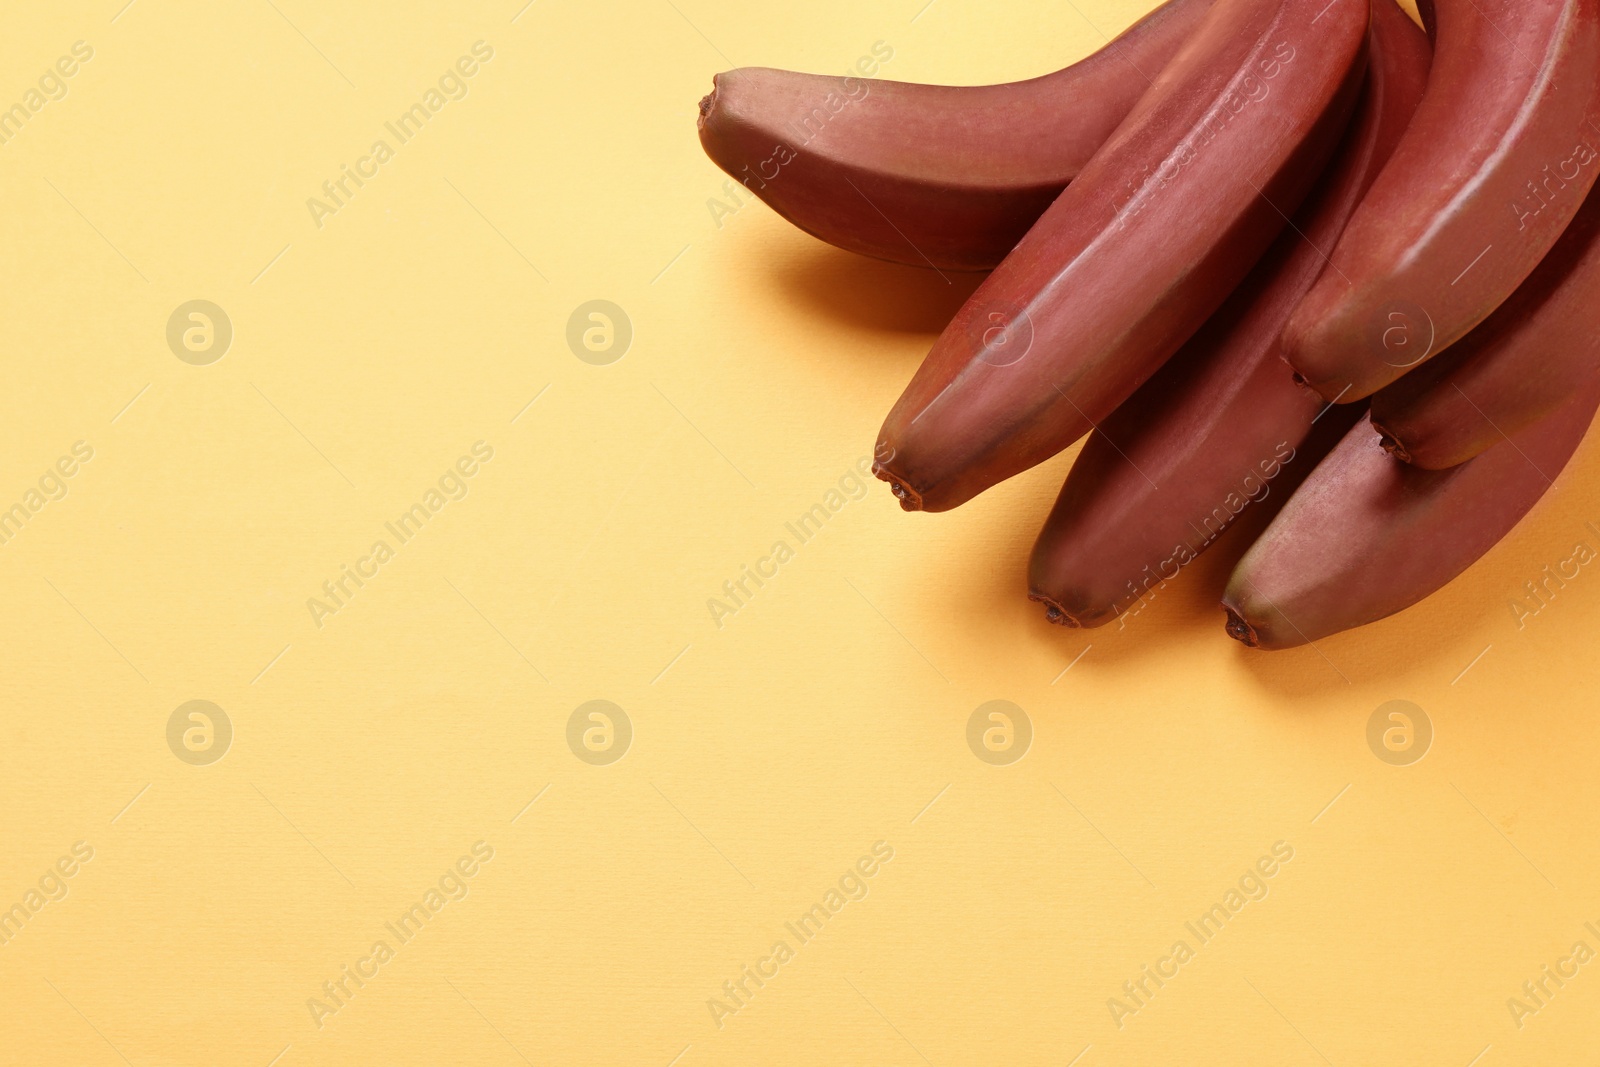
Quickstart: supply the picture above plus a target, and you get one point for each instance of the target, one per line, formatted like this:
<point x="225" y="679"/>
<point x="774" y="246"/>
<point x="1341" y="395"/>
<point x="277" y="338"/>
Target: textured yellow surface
<point x="406" y="741"/>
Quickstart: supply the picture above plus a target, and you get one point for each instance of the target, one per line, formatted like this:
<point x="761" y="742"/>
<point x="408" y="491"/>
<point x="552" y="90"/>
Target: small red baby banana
<point x="1222" y="426"/>
<point x="1525" y="361"/>
<point x="1367" y="536"/>
<point x="931" y="175"/>
<point x="1137" y="253"/>
<point x="1503" y="150"/>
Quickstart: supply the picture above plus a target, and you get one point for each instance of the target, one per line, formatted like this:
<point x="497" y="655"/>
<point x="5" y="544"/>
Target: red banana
<point x="1368" y="536"/>
<point x="930" y="175"/>
<point x="1222" y="425"/>
<point x="1136" y="254"/>
<point x="1529" y="358"/>
<point x="1503" y="150"/>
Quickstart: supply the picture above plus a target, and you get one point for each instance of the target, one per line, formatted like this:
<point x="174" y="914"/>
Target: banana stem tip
<point x="909" y="498"/>
<point x="1240" y="630"/>
<point x="707" y="102"/>
<point x="1391" y="444"/>
<point x="1054" y="613"/>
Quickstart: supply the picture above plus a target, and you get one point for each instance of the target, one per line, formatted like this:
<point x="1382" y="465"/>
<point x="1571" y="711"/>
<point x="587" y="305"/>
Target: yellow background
<point x="768" y="755"/>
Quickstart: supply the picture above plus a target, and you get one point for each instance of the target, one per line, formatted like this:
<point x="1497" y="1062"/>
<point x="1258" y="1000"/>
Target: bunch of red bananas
<point x="1251" y="245"/>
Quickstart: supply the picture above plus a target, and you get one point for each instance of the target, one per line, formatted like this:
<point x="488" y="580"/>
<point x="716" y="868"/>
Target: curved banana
<point x="1136" y="254"/>
<point x="1368" y="536"/>
<point x="1501" y="154"/>
<point x="930" y="175"/>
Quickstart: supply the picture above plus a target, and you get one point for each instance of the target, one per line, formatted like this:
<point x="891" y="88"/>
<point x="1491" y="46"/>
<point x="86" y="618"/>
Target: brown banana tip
<point x="1285" y="354"/>
<point x="1391" y="444"/>
<point x="1305" y="384"/>
<point x="909" y="498"/>
<point x="1299" y="379"/>
<point x="1054" y="613"/>
<point x="1240" y="630"/>
<point x="708" y="101"/>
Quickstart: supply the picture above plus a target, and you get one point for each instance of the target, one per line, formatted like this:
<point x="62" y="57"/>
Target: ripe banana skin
<point x="930" y="175"/>
<point x="1503" y="151"/>
<point x="1530" y="357"/>
<point x="1136" y="254"/>
<point x="1221" y="427"/>
<point x="1367" y="536"/>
